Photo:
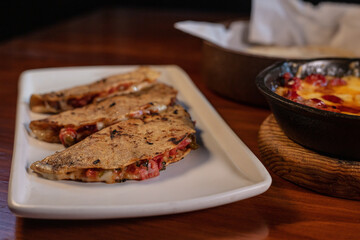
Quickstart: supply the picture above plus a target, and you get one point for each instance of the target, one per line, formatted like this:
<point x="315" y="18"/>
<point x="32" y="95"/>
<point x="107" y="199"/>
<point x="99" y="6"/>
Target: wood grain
<point x="124" y="36"/>
<point x="291" y="161"/>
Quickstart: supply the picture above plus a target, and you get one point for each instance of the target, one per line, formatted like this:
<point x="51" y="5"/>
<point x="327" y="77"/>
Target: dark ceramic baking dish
<point x="232" y="73"/>
<point x="328" y="133"/>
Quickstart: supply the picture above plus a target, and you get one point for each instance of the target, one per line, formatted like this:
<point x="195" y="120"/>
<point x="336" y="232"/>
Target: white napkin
<point x="230" y="38"/>
<point x="294" y="22"/>
<point x="286" y="23"/>
<point x="348" y="33"/>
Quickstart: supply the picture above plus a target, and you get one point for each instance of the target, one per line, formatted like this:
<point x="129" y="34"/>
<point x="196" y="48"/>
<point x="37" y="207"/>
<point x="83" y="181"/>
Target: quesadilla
<point x="67" y="99"/>
<point x="134" y="149"/>
<point x="72" y="126"/>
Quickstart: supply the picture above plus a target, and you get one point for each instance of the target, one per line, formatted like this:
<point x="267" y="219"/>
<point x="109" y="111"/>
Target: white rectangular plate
<point x="221" y="171"/>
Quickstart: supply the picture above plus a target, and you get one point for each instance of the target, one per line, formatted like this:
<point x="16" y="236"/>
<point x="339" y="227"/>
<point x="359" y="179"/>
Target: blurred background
<point x="19" y="17"/>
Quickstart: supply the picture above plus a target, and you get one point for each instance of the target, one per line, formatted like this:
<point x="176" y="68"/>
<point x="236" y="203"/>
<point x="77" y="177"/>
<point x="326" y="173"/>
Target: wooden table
<point x="129" y="36"/>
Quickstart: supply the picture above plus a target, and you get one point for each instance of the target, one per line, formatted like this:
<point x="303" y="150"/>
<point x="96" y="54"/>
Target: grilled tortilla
<point x="134" y="149"/>
<point x="67" y="99"/>
<point x="72" y="126"/>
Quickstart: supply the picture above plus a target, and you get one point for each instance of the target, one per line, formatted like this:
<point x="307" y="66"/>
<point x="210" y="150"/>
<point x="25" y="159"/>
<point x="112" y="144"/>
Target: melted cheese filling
<point x="349" y="94"/>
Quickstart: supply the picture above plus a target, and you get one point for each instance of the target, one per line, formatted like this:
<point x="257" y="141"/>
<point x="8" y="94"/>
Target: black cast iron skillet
<point x="328" y="133"/>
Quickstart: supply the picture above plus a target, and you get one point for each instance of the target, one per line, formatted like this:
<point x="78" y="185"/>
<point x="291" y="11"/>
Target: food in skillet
<point x="328" y="93"/>
<point x="134" y="149"/>
<point x="74" y="125"/>
<point x="67" y="99"/>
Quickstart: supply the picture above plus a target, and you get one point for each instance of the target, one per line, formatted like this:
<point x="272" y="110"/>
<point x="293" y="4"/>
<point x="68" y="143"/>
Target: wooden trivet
<point x="289" y="160"/>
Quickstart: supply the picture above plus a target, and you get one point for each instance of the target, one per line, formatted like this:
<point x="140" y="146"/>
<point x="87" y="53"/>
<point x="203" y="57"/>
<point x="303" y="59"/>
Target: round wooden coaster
<point x="289" y="160"/>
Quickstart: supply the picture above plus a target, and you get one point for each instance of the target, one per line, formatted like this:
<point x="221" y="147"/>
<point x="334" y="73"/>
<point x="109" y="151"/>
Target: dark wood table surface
<point x="136" y="36"/>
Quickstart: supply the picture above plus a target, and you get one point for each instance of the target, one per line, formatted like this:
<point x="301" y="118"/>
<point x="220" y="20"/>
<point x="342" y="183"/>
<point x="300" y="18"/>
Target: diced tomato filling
<point x="146" y="169"/>
<point x="80" y="102"/>
<point x="337" y="82"/>
<point x="67" y="136"/>
<point x="332" y="98"/>
<point x="120" y="87"/>
<point x="92" y="173"/>
<point x="293" y="95"/>
<point x="294" y="83"/>
<point x="287" y="76"/>
<point x="184" y="143"/>
<point x="150" y="168"/>
<point x="172" y="152"/>
<point x="159" y="159"/>
<point x="316" y="80"/>
<point x="136" y="114"/>
<point x="144" y="109"/>
<point x="316" y="103"/>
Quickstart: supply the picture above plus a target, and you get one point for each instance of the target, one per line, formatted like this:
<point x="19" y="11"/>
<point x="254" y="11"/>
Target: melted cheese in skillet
<point x="349" y="93"/>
